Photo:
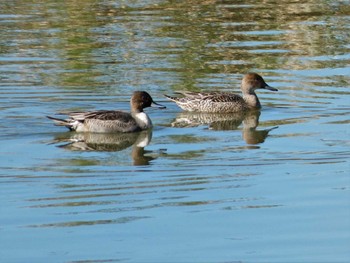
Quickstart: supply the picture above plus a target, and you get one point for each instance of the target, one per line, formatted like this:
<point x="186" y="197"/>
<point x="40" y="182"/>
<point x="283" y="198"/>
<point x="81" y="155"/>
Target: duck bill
<point x="270" y="88"/>
<point x="157" y="105"/>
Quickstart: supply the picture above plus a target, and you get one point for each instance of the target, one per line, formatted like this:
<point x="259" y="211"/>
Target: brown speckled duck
<point x="223" y="102"/>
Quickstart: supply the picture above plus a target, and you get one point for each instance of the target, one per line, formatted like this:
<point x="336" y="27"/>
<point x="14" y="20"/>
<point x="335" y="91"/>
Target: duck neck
<point x="142" y="119"/>
<point x="252" y="100"/>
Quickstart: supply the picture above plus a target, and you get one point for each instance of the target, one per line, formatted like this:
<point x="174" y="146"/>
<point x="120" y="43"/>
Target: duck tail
<point x="171" y="98"/>
<point x="61" y="122"/>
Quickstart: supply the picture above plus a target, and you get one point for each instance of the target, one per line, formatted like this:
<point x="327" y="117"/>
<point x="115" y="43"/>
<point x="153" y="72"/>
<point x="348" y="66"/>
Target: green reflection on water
<point x="193" y="38"/>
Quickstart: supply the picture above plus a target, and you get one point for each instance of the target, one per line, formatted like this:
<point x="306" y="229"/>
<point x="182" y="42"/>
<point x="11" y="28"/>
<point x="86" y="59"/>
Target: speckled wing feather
<point x="223" y="97"/>
<point x="212" y="96"/>
<point x="209" y="101"/>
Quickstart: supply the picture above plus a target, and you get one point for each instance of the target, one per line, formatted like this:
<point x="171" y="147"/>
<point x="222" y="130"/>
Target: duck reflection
<point x="249" y="132"/>
<point x="109" y="143"/>
<point x="226" y="121"/>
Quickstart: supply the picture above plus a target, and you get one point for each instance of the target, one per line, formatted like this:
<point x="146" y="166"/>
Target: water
<point x="268" y="187"/>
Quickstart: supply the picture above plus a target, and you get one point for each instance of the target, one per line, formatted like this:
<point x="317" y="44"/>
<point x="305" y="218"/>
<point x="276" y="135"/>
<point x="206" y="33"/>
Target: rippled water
<point x="271" y="186"/>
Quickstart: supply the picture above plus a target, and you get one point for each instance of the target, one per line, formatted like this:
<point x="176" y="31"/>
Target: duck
<point x="112" y="121"/>
<point x="224" y="102"/>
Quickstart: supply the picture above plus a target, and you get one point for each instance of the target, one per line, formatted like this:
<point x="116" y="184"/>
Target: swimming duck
<point x="223" y="102"/>
<point x="110" y="121"/>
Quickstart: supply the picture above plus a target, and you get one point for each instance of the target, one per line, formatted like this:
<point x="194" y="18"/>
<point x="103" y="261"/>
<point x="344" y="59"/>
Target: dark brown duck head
<point x="141" y="100"/>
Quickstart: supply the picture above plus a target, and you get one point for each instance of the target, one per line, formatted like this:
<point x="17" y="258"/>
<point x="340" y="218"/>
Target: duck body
<point x="215" y="102"/>
<point x="104" y="121"/>
<point x="224" y="102"/>
<point x="110" y="121"/>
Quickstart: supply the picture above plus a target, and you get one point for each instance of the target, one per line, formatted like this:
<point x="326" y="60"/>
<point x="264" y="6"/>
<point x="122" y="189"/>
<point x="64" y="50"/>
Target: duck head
<point x="253" y="81"/>
<point x="141" y="100"/>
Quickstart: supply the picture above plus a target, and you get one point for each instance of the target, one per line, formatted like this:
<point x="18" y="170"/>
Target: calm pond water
<point x="273" y="186"/>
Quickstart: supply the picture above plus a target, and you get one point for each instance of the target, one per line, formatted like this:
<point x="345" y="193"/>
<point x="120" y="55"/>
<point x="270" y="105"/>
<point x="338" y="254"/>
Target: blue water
<point x="270" y="187"/>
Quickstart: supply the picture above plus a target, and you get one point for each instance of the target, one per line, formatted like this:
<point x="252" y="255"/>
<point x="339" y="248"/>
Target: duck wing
<point x="212" y="96"/>
<point x="104" y="115"/>
<point x="106" y="121"/>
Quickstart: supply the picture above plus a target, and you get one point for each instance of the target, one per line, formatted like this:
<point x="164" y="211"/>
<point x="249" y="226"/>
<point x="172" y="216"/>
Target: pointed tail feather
<point x="61" y="122"/>
<point x="57" y="121"/>
<point x="175" y="99"/>
<point x="185" y="95"/>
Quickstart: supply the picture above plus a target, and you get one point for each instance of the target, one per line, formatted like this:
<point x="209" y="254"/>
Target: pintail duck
<point x="223" y="102"/>
<point x="109" y="121"/>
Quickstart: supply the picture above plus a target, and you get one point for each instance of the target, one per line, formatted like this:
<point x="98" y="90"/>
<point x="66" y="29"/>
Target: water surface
<point x="270" y="186"/>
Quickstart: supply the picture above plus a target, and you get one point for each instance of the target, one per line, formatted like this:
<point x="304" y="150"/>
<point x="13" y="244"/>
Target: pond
<point x="269" y="186"/>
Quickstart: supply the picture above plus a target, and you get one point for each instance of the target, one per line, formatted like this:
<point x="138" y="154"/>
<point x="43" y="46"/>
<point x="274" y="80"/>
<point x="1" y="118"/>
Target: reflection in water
<point x="250" y="134"/>
<point x="112" y="142"/>
<point x="225" y="121"/>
